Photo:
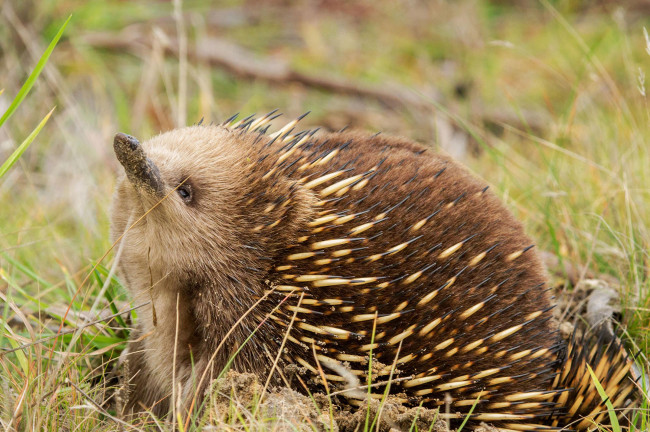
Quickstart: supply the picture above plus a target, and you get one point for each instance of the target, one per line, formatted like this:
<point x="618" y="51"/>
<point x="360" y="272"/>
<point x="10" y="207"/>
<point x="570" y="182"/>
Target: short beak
<point x="140" y="170"/>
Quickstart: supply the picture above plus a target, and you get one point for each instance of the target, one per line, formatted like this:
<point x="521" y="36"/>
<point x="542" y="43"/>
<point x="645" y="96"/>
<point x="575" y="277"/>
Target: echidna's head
<point x="180" y="198"/>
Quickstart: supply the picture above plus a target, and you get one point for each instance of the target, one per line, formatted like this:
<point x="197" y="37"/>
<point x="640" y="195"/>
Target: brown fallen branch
<point x="242" y="63"/>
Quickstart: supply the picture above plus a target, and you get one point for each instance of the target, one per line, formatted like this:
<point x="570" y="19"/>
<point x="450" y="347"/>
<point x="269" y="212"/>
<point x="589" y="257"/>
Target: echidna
<point x="337" y="247"/>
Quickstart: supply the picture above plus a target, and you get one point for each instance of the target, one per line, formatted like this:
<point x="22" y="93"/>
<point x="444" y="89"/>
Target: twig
<point x="101" y="409"/>
<point x="182" y="64"/>
<point x="6" y="351"/>
<point x="277" y="358"/>
<point x="377" y="384"/>
<point x="243" y="63"/>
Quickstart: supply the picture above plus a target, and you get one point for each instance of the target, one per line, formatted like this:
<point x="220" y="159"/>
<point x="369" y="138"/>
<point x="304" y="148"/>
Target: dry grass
<point x="546" y="101"/>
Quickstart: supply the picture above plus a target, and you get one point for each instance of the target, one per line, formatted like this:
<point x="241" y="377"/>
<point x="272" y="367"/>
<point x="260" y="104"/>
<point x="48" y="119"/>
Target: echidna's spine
<point x="580" y="406"/>
<point x="450" y="300"/>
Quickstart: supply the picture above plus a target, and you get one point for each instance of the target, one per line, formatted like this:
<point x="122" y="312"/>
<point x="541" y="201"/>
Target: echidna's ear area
<point x="581" y="407"/>
<point x="286" y="208"/>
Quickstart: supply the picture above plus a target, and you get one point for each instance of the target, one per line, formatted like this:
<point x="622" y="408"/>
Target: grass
<point x="26" y="87"/>
<point x="549" y="100"/>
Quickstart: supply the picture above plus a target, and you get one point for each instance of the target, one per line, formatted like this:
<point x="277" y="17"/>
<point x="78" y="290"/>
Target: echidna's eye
<point x="185" y="192"/>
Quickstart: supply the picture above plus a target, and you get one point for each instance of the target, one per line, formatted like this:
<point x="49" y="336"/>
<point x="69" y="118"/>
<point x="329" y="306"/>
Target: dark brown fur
<point x="250" y="229"/>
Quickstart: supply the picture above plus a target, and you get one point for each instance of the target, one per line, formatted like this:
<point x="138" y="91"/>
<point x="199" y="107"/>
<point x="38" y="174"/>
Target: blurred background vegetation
<point x="545" y="100"/>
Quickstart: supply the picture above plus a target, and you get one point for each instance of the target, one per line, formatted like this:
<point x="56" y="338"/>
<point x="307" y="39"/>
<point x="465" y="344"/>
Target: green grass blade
<point x="34" y="75"/>
<point x="415" y="417"/>
<point x="16" y="287"/>
<point x="26" y="270"/>
<point x="22" y="359"/>
<point x="110" y="299"/>
<point x="22" y="147"/>
<point x="372" y="342"/>
<point x="610" y="407"/>
<point x="469" y="414"/>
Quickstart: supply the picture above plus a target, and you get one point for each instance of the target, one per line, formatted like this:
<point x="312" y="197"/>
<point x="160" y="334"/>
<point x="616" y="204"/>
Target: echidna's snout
<point x="140" y="170"/>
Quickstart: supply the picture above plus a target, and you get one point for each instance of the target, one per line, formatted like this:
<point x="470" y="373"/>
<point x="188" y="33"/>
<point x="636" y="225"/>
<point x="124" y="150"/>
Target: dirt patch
<point x="392" y="415"/>
<point x="237" y="401"/>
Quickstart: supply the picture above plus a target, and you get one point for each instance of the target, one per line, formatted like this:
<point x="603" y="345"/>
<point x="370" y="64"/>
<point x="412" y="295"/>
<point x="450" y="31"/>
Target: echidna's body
<point x="348" y="233"/>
